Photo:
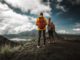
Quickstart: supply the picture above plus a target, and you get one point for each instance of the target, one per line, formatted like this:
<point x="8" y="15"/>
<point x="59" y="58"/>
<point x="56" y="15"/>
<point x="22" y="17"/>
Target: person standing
<point x="41" y="23"/>
<point x="51" y="31"/>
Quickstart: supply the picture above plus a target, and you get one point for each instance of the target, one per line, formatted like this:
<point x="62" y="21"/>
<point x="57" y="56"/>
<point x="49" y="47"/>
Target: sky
<point x="17" y="16"/>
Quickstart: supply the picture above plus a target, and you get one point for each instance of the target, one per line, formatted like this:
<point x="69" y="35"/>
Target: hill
<point x="5" y="41"/>
<point x="61" y="50"/>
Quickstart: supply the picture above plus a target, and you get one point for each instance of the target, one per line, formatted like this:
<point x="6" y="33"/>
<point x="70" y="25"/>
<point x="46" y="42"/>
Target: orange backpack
<point x="41" y="23"/>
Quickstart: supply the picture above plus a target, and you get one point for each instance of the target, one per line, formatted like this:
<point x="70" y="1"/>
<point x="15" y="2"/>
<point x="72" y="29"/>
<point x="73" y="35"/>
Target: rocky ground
<point x="61" y="50"/>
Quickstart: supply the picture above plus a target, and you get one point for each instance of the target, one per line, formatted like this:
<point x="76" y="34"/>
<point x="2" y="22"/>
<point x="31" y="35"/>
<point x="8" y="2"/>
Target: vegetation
<point x="61" y="50"/>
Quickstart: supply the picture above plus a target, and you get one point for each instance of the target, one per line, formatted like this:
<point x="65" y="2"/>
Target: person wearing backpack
<point x="41" y="24"/>
<point x="51" y="31"/>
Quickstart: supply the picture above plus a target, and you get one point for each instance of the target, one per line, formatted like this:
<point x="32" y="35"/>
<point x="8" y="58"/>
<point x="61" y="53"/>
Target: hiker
<point x="41" y="24"/>
<point x="51" y="31"/>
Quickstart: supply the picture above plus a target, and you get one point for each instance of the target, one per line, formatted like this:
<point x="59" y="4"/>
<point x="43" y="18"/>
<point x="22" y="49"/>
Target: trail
<point x="61" y="50"/>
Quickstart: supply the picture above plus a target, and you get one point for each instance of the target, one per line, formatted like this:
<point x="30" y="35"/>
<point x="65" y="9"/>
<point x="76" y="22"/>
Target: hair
<point x="41" y="13"/>
<point x="49" y="18"/>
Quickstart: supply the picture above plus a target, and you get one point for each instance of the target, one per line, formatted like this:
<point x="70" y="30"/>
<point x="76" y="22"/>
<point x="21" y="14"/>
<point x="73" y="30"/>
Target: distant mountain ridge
<point x="6" y="41"/>
<point x="34" y="34"/>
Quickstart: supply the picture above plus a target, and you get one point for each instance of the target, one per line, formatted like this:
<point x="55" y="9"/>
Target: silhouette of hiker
<point x="51" y="31"/>
<point x="41" y="24"/>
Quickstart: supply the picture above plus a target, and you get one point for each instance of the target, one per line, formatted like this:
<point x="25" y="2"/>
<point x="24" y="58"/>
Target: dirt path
<point x="61" y="50"/>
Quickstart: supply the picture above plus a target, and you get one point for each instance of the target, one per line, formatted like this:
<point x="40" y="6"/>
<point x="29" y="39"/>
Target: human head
<point x="41" y="14"/>
<point x="49" y="19"/>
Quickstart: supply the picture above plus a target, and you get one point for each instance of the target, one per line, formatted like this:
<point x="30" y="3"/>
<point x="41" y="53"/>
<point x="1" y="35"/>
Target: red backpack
<point x="51" y="26"/>
<point x="41" y="23"/>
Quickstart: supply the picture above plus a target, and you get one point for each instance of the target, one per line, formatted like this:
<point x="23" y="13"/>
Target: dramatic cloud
<point x="19" y="15"/>
<point x="13" y="23"/>
<point x="34" y="6"/>
<point x="41" y="8"/>
<point x="24" y="5"/>
<point x="60" y="7"/>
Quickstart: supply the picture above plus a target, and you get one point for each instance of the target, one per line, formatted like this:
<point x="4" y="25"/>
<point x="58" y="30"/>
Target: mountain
<point x="5" y="41"/>
<point x="22" y="35"/>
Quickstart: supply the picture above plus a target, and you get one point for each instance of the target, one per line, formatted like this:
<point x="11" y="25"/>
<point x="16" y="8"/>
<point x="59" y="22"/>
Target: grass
<point x="8" y="49"/>
<point x="61" y="50"/>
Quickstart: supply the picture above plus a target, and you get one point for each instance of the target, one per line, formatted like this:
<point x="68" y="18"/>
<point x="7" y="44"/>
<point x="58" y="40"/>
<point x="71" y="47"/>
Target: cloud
<point x="24" y="5"/>
<point x="13" y="23"/>
<point x="60" y="7"/>
<point x="77" y="25"/>
<point x="59" y="1"/>
<point x="76" y="29"/>
<point x="41" y="8"/>
<point x="2" y="7"/>
<point x="62" y="32"/>
<point x="34" y="6"/>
